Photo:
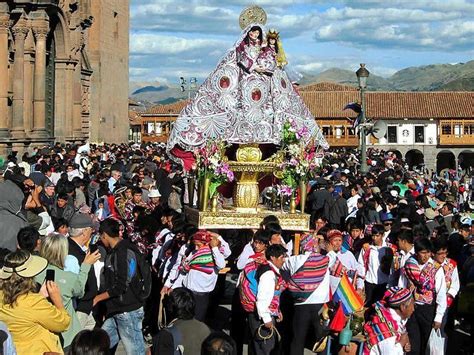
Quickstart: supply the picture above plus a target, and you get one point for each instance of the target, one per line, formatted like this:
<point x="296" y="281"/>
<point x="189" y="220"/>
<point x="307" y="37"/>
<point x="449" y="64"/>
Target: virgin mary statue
<point x="246" y="99"/>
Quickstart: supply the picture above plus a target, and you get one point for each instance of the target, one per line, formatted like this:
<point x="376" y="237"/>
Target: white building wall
<point x="406" y="133"/>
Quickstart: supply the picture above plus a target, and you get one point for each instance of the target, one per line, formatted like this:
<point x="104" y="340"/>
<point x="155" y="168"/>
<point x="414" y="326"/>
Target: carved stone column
<point x="28" y="95"/>
<point x="4" y="77"/>
<point x="39" y="108"/>
<point x="20" y="30"/>
<point x="69" y="88"/>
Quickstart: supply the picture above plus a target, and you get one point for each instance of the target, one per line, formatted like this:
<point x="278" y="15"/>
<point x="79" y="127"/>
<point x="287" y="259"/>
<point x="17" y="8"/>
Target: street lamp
<point x="188" y="85"/>
<point x="362" y="75"/>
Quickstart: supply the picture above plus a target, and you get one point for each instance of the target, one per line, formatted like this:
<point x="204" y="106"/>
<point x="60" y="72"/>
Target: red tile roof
<point x="329" y="104"/>
<point x="420" y="104"/>
<point x="389" y="105"/>
<point x="175" y="108"/>
<point x="394" y="105"/>
<point x="327" y="86"/>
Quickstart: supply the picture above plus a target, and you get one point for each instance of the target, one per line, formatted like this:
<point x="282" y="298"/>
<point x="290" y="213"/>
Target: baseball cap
<point x="81" y="220"/>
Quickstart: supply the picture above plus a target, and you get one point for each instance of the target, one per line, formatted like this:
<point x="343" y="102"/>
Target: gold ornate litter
<point x="234" y="219"/>
<point x="247" y="169"/>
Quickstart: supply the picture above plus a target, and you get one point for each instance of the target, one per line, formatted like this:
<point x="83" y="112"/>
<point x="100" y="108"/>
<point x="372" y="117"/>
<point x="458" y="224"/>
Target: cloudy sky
<point x="173" y="38"/>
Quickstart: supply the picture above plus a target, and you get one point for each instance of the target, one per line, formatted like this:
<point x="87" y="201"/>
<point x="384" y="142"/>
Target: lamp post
<point x="188" y="85"/>
<point x="362" y="75"/>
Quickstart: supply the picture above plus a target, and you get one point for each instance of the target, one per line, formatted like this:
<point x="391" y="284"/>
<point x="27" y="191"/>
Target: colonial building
<point x="108" y="53"/>
<point x="63" y="71"/>
<point x="156" y="122"/>
<point x="431" y="128"/>
<point x="134" y="111"/>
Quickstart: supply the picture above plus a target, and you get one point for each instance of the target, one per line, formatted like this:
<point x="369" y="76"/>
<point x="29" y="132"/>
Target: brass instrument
<point x="120" y="200"/>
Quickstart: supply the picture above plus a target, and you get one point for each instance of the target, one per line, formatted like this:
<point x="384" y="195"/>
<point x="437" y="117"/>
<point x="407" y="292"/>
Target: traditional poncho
<point x="337" y="269"/>
<point x="200" y="260"/>
<point x="248" y="286"/>
<point x="449" y="268"/>
<point x="423" y="280"/>
<point x="308" y="277"/>
<point x="379" y="327"/>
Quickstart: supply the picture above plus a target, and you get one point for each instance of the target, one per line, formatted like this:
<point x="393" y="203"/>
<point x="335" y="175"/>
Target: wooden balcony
<point x="156" y="128"/>
<point x="339" y="133"/>
<point x="456" y="132"/>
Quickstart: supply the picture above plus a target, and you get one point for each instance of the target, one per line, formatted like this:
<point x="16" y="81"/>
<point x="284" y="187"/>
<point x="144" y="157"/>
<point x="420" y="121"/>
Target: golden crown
<point x="252" y="14"/>
<point x="272" y="33"/>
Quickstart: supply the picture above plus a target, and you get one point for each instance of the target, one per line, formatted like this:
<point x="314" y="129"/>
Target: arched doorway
<point x="445" y="160"/>
<point x="57" y="91"/>
<point x="414" y="158"/>
<point x="466" y="160"/>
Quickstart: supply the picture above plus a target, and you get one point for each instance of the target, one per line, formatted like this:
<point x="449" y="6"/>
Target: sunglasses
<point x="387" y="223"/>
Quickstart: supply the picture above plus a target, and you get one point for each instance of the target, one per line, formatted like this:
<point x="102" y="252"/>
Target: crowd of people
<point x="97" y="249"/>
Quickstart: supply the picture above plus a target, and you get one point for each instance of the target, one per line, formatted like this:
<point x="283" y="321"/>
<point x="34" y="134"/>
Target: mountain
<point x="347" y="77"/>
<point x="461" y="84"/>
<point x="150" y="89"/>
<point x="169" y="100"/>
<point x="436" y="77"/>
<point x="153" y="93"/>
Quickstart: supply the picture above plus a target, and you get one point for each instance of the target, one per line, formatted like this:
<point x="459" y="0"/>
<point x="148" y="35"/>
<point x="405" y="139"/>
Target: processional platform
<point x="236" y="219"/>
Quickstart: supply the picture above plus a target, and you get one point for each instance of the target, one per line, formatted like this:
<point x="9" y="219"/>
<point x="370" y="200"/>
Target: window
<point x="446" y="129"/>
<point x="419" y="134"/>
<point x="116" y="26"/>
<point x="392" y="134"/>
<point x="468" y="128"/>
<point x="457" y="130"/>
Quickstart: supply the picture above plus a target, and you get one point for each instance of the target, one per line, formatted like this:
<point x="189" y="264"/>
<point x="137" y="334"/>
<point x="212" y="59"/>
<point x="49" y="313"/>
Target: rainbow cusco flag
<point x="347" y="295"/>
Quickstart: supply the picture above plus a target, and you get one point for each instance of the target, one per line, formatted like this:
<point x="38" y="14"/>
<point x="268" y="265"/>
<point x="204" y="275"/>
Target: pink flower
<point x="285" y="190"/>
<point x="302" y="132"/>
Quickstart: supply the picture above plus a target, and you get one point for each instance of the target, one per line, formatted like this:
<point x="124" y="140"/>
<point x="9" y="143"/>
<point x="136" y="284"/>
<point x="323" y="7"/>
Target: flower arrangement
<point x="301" y="158"/>
<point x="212" y="163"/>
<point x="292" y="134"/>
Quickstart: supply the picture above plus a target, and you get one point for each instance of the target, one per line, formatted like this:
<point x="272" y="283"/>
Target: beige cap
<point x="31" y="267"/>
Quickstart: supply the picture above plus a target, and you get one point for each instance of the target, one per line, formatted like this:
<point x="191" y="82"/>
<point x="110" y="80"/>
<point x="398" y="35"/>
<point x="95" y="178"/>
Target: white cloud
<point x="138" y="71"/>
<point x="211" y="17"/>
<point x="153" y="43"/>
<point x="310" y="67"/>
<point x="390" y="14"/>
<point x="171" y="38"/>
<point x="417" y="25"/>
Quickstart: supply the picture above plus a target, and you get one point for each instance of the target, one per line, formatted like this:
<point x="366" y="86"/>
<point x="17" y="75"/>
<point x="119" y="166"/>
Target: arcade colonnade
<point x="44" y="72"/>
<point x="436" y="159"/>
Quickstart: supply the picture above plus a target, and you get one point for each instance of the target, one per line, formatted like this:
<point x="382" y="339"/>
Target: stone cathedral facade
<point x="63" y="72"/>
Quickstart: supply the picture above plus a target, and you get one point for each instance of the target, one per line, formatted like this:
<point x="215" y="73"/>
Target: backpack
<point x="141" y="282"/>
<point x="177" y="340"/>
<point x="248" y="285"/>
